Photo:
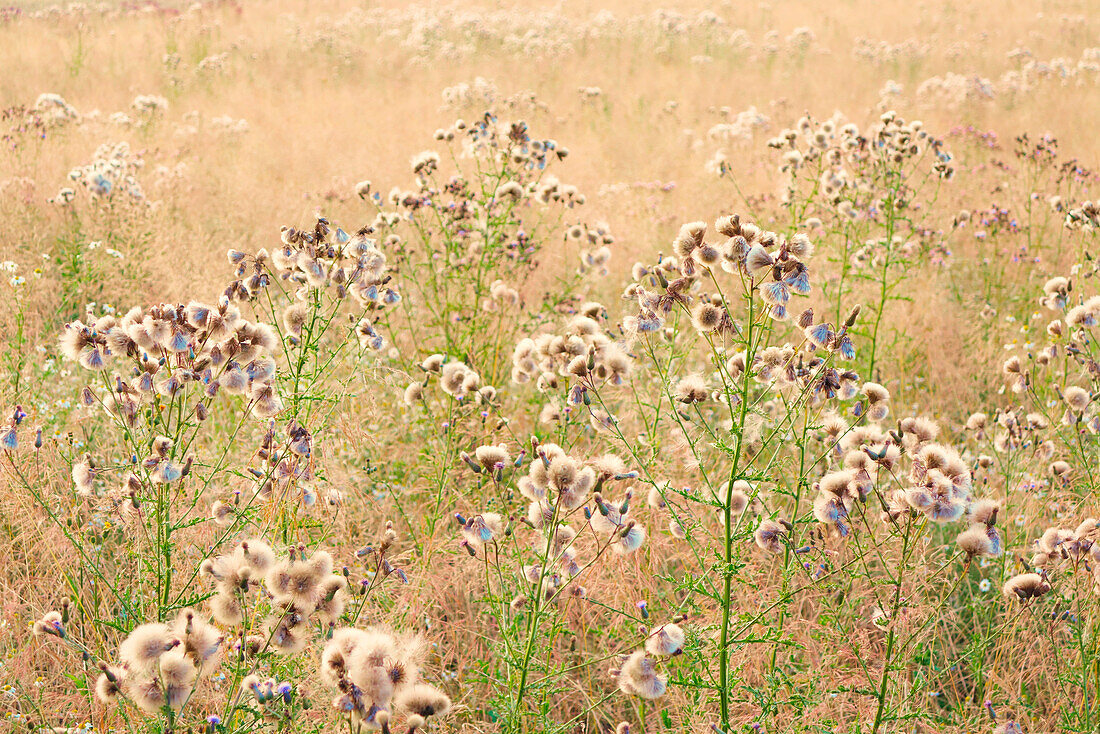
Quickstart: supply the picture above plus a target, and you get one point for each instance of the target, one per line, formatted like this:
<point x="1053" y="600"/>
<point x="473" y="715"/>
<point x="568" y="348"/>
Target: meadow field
<point x="578" y="367"/>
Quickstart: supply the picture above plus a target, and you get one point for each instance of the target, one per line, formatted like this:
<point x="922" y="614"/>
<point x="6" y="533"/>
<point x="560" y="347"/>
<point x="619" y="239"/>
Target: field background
<point x="335" y="92"/>
<point x="332" y="93"/>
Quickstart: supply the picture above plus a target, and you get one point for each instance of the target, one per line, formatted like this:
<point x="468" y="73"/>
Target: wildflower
<point x="629" y="539"/>
<point x="83" y="477"/>
<point x="413" y="393"/>
<point x="482" y="528"/>
<point x="757" y="259"/>
<point x="141" y="650"/>
<point x="147" y="694"/>
<point x="691" y="389"/>
<point x="768" y="536"/>
<point x="831" y="509"/>
<point x="423" y="700"/>
<point x="492" y="458"/>
<point x="509" y="190"/>
<point x="689" y="238"/>
<point x="1013" y="373"/>
<point x="198" y="640"/>
<point x="983" y="511"/>
<point x="50" y="624"/>
<point x="1076" y="398"/>
<point x="294" y="318"/>
<point x="979" y="540"/>
<point x="109" y="683"/>
<point x="8" y="439"/>
<point x="706" y="317"/>
<point x="255" y="554"/>
<point x="1026" y="586"/>
<point x="265" y="402"/>
<point x="297" y="583"/>
<point x="876" y="395"/>
<point x="609" y="517"/>
<point x="222" y="513"/>
<point x="737" y="495"/>
<point x="820" y="335"/>
<point x="226" y="609"/>
<point x="668" y="639"/>
<point x="636" y="676"/>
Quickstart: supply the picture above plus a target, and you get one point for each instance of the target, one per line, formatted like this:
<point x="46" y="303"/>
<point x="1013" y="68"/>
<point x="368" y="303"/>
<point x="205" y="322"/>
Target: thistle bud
<point x="852" y="317"/>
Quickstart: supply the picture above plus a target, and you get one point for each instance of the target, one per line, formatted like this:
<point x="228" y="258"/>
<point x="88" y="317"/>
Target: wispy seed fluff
<point x="492" y="457"/>
<point x="980" y="540"/>
<point x="706" y="317"/>
<point x="294" y="318"/>
<point x="877" y="397"/>
<point x="737" y="495"/>
<point x="143" y="648"/>
<point x="768" y="536"/>
<point x="482" y="528"/>
<point x="1076" y="398"/>
<point x="370" y="668"/>
<point x="668" y="639"/>
<point x="629" y="539"/>
<point x="509" y="190"/>
<point x="689" y="238"/>
<point x="109" y="684"/>
<point x="423" y="700"/>
<point x="637" y="676"/>
<point x="1026" y="586"/>
<point x="691" y="389"/>
<point x="413" y="393"/>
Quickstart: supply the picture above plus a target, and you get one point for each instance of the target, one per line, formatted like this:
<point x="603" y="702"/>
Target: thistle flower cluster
<point x="939" y="481"/>
<point x="1085" y="216"/>
<point x="160" y="664"/>
<point x="1078" y="316"/>
<point x="556" y="479"/>
<point x="111" y="174"/>
<point x="456" y="379"/>
<point x="376" y="673"/>
<point x="1059" y="548"/>
<point x="1068" y="347"/>
<point x="580" y="356"/>
<point x="846" y="163"/>
<point x="636" y="674"/>
<point x="556" y="487"/>
<point x="149" y="105"/>
<point x="480" y="213"/>
<point x="54" y="110"/>
<point x="981" y="539"/>
<point x="53" y="622"/>
<point x="774" y="264"/>
<point x="161" y="350"/>
<point x="596" y="253"/>
<point x="1026" y="586"/>
<point x="283" y="473"/>
<point x="276" y="604"/>
<point x="510" y="141"/>
<point x="298" y="591"/>
<point x="321" y="260"/>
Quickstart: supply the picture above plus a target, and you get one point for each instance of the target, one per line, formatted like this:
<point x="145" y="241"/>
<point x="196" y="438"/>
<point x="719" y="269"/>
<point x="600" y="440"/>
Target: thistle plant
<point x="869" y="191"/>
<point x="468" y="236"/>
